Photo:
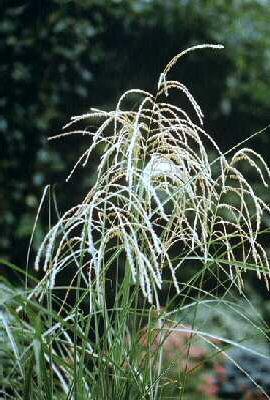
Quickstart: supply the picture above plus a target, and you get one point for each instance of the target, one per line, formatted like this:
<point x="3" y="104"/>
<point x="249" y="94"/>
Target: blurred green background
<point x="60" y="57"/>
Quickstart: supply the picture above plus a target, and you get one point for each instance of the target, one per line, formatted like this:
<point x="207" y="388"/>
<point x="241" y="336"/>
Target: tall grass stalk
<point x="159" y="207"/>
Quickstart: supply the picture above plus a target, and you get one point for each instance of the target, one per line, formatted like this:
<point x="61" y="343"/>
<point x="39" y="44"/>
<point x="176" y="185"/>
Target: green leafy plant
<point x="158" y="207"/>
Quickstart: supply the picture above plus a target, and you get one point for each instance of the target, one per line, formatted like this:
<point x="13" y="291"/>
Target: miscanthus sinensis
<point x="156" y="190"/>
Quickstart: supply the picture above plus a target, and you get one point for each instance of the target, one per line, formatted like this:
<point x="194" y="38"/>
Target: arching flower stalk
<point x="156" y="190"/>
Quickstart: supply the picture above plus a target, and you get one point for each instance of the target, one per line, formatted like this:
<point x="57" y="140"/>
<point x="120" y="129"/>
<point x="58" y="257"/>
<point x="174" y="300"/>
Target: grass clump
<point x="158" y="207"/>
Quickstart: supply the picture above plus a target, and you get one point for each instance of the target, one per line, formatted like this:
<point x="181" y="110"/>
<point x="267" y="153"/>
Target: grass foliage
<point x="159" y="207"/>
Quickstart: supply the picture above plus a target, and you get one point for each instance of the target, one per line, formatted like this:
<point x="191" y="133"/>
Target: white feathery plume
<point x="155" y="190"/>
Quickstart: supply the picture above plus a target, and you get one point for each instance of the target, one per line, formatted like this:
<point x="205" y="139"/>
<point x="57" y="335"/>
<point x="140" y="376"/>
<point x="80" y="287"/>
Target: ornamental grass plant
<point x="170" y="226"/>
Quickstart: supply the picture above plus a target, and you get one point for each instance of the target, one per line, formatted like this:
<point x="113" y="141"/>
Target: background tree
<point x="59" y="57"/>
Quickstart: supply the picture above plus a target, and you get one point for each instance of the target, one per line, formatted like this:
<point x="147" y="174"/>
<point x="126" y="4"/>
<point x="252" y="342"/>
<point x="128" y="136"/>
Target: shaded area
<point x="58" y="58"/>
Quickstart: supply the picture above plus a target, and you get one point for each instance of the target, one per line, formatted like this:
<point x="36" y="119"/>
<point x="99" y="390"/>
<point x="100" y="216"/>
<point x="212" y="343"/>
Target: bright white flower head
<point x="212" y="218"/>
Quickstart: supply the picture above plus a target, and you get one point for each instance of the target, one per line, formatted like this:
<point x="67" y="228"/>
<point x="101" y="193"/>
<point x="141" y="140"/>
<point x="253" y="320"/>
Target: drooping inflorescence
<point x="156" y="190"/>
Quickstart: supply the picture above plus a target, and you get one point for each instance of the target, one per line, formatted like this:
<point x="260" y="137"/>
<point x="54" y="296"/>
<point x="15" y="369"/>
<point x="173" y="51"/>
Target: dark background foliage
<point x="60" y="57"/>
